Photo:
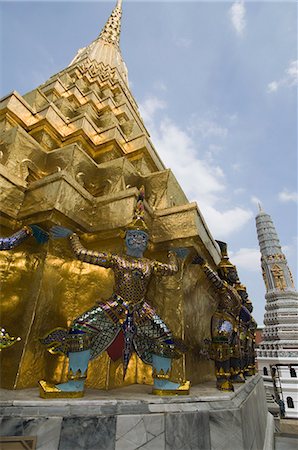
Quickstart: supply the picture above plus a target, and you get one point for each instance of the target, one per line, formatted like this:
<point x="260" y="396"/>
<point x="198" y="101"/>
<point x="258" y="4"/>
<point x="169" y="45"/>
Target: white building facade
<point x="277" y="354"/>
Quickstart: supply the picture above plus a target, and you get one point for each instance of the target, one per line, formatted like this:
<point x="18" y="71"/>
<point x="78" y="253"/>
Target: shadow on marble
<point x="188" y="431"/>
<point x="47" y="430"/>
<point x="289" y="442"/>
<point x="226" y="430"/>
<point x="88" y="433"/>
<point x="254" y="425"/>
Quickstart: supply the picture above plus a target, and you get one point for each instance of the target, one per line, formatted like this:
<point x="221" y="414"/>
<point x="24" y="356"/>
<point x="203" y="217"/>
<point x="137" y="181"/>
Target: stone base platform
<point x="131" y="418"/>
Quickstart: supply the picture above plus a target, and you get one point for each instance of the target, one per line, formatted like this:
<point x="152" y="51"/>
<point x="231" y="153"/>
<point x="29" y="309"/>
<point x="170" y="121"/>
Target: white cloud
<point x="256" y="201"/>
<point x="233" y="118"/>
<point x="247" y="258"/>
<point x="178" y="151"/>
<point x="223" y="224"/>
<point x="160" y="86"/>
<point x="237" y="167"/>
<point x="239" y="191"/>
<point x="212" y="153"/>
<point x="182" y="42"/>
<point x="149" y="108"/>
<point x="237" y="15"/>
<point x="286" y="196"/>
<point x="207" y="128"/>
<point x="292" y="72"/>
<point x="201" y="180"/>
<point x="273" y="86"/>
<point x="215" y="149"/>
<point x="290" y="78"/>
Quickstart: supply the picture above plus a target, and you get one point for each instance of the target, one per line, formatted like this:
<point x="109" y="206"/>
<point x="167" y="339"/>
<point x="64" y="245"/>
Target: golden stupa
<point x="74" y="152"/>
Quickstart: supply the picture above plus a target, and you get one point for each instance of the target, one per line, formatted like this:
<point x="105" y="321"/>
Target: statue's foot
<point x="70" y="389"/>
<point x="170" y="388"/>
<point x="224" y="385"/>
<point x="239" y="378"/>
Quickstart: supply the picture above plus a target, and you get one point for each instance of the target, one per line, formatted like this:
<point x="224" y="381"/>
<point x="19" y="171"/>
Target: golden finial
<point x="111" y="31"/>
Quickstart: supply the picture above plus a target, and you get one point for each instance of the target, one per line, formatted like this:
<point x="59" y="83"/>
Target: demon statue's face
<point x="229" y="274"/>
<point x="136" y="242"/>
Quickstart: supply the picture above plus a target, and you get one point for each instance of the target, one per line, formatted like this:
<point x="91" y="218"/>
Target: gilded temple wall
<point x="43" y="287"/>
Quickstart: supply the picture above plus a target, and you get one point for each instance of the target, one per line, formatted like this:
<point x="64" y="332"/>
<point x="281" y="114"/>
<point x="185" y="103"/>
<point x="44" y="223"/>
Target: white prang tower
<point x="277" y="354"/>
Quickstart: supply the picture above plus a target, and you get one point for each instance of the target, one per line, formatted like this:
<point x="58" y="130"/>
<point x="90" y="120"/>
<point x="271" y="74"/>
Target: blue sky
<point x="216" y="83"/>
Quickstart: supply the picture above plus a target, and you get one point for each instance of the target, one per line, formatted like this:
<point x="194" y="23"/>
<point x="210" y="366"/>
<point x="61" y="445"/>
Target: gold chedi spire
<point x="105" y="48"/>
<point x="75" y="153"/>
<point x="111" y="31"/>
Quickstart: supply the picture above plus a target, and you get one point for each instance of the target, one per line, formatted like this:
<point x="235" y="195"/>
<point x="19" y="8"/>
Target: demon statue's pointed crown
<point x="226" y="270"/>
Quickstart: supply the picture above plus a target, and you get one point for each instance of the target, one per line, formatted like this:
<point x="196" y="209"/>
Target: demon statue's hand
<point x="58" y="232"/>
<point x="198" y="260"/>
<point x="40" y="235"/>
